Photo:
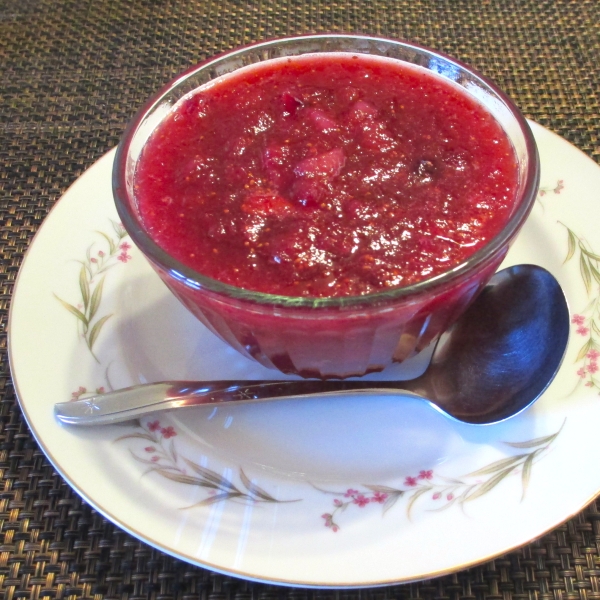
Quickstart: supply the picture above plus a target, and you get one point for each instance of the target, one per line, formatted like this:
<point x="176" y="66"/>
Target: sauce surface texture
<point x="325" y="176"/>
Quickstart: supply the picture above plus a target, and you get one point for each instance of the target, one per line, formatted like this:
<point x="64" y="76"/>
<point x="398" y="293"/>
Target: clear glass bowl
<point x="328" y="337"/>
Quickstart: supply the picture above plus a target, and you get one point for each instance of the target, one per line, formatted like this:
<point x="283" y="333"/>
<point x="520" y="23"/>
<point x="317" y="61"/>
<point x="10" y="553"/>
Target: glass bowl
<point x="334" y="337"/>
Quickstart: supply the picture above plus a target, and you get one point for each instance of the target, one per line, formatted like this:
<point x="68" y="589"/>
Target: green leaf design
<point x="96" y="298"/>
<point x="497" y="465"/>
<point x="173" y="451"/>
<point x="96" y="330"/>
<point x="585" y="273"/>
<point x="392" y="498"/>
<point x="452" y="480"/>
<point x="595" y="272"/>
<point x="587" y="252"/>
<point x="383" y="489"/>
<point x="86" y="265"/>
<point x="214" y="499"/>
<point x="254" y="489"/>
<point x="74" y="311"/>
<point x="584" y="350"/>
<point x="213" y="478"/>
<point x="154" y="468"/>
<point x="91" y="290"/>
<point x="119" y="229"/>
<point x="526" y="472"/>
<point x="571" y="245"/>
<point x="467" y="491"/>
<point x="490" y="484"/>
<point x="111" y="245"/>
<point x="415" y="497"/>
<point x="84" y="286"/>
<point x="182" y="478"/>
<point x="541" y="441"/>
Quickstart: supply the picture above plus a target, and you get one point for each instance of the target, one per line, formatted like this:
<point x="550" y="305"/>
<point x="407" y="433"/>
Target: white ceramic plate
<point x="316" y="492"/>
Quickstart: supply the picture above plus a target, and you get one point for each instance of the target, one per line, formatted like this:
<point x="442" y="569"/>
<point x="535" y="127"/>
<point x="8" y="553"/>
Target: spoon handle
<point x="137" y="401"/>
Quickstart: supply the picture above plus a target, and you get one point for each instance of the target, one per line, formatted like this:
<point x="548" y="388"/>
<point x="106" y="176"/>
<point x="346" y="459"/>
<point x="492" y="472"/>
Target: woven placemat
<point x="73" y="72"/>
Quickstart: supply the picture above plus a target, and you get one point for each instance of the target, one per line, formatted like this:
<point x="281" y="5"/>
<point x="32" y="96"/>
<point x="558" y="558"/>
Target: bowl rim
<point x="197" y="281"/>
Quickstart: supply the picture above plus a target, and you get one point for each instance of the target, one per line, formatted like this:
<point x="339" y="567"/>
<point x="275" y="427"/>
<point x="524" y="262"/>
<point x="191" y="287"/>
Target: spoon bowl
<point x="492" y="364"/>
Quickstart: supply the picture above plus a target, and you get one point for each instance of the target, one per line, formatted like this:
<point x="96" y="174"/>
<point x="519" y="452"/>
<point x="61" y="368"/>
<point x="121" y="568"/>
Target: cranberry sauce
<point x="337" y="175"/>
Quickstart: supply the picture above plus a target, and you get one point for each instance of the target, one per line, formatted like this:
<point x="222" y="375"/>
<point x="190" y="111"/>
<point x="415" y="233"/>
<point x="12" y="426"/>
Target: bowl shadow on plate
<point x="348" y="440"/>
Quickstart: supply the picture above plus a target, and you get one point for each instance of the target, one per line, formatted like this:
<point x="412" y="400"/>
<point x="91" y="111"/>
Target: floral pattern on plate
<point x="586" y="321"/>
<point x="443" y="491"/>
<point x="92" y="275"/>
<point x="342" y="460"/>
<point x="161" y="457"/>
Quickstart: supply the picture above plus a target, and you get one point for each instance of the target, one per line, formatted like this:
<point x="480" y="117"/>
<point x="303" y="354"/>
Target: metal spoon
<point x="493" y="363"/>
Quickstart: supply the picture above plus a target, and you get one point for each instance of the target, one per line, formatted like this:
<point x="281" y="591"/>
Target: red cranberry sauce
<point x="336" y="175"/>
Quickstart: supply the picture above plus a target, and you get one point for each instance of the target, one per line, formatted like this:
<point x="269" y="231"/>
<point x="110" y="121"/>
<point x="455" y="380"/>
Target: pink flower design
<point x="361" y="500"/>
<point x="329" y="522"/>
<point x="425" y="474"/>
<point x="155" y="458"/>
<point x="410" y="481"/>
<point x="542" y="192"/>
<point x="559" y="186"/>
<point x="168" y="432"/>
<point x="583" y="330"/>
<point x="154" y="425"/>
<point x="76" y="395"/>
<point x="125" y="246"/>
<point x="149" y="448"/>
<point x="124" y="257"/>
<point x="337" y="502"/>
<point x="450" y="497"/>
<point x="578" y="319"/>
<point x="100" y="253"/>
<point x="350" y="493"/>
<point x="437" y="496"/>
<point x="589" y="384"/>
<point x="93" y="260"/>
<point x="100" y="390"/>
<point x="592" y="367"/>
<point x="379" y="497"/>
<point x="593" y="354"/>
<point x="581" y="372"/>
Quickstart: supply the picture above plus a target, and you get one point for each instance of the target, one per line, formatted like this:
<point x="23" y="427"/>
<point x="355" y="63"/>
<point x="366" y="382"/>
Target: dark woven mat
<point x="72" y="74"/>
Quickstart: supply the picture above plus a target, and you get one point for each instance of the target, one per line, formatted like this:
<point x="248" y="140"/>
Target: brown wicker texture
<point x="72" y="74"/>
